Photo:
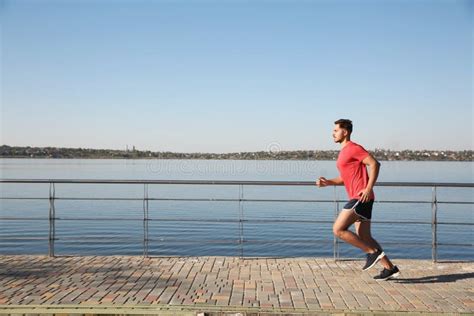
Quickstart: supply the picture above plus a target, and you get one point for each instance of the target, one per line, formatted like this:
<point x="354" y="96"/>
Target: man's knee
<point x="337" y="231"/>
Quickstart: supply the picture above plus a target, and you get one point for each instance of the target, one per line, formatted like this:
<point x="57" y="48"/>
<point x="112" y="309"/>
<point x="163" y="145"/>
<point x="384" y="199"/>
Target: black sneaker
<point x="387" y="274"/>
<point x="372" y="259"/>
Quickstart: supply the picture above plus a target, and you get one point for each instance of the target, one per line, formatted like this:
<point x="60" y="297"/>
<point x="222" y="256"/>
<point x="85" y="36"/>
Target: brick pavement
<point x="299" y="285"/>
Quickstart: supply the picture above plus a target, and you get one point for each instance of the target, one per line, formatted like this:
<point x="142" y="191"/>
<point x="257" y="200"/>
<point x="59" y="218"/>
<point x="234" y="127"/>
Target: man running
<point x="352" y="163"/>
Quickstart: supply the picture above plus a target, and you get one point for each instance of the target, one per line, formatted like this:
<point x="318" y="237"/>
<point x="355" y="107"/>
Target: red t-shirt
<point x="353" y="171"/>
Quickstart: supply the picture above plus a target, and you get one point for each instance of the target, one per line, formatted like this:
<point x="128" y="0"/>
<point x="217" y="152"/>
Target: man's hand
<point x="374" y="166"/>
<point x="365" y="195"/>
<point x="322" y="182"/>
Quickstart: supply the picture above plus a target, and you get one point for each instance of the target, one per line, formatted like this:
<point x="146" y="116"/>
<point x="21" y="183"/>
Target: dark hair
<point x="345" y="124"/>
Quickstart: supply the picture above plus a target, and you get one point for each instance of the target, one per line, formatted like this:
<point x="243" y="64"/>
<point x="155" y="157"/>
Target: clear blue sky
<point x="226" y="76"/>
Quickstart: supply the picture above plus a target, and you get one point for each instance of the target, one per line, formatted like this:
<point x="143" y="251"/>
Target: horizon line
<point x="273" y="150"/>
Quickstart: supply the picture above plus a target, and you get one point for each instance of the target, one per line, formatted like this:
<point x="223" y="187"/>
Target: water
<point x="116" y="227"/>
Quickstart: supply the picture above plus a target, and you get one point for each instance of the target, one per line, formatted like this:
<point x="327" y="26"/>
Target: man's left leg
<point x="363" y="231"/>
<point x="389" y="271"/>
<point x="340" y="229"/>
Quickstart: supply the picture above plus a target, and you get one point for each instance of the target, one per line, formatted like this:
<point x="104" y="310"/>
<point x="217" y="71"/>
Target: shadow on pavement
<point x="444" y="278"/>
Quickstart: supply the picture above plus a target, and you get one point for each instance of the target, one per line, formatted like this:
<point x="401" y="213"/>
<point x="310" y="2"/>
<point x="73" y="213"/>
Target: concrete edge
<point x="163" y="309"/>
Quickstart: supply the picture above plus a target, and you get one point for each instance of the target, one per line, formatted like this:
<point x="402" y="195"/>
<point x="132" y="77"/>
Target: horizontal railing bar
<point x="71" y="219"/>
<point x="237" y="241"/>
<point x="229" y="242"/>
<point x="227" y="182"/>
<point x="247" y="242"/>
<point x="219" y="220"/>
<point x="24" y="218"/>
<point x="23" y="198"/>
<point x="99" y="239"/>
<point x="236" y="220"/>
<point x="22" y="238"/>
<point x="449" y="244"/>
<point x="79" y="239"/>
<point x="173" y="199"/>
<point x="453" y="223"/>
<point x="455" y="202"/>
<point x="231" y="200"/>
<point x="330" y="242"/>
<point x="173" y="220"/>
<point x="215" y="220"/>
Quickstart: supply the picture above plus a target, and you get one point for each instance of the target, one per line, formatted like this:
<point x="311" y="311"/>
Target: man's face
<point x="339" y="134"/>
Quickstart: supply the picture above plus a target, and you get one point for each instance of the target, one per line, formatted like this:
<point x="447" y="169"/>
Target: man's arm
<point x="322" y="181"/>
<point x="374" y="166"/>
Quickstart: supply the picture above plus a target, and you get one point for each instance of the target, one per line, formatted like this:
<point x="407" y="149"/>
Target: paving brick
<point x="301" y="283"/>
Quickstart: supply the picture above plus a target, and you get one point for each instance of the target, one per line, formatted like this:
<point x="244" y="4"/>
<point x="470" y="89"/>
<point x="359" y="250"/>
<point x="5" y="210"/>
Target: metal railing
<point x="241" y="199"/>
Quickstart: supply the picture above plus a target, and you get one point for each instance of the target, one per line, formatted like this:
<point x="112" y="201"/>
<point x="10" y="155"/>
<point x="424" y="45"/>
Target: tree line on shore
<point x="88" y="153"/>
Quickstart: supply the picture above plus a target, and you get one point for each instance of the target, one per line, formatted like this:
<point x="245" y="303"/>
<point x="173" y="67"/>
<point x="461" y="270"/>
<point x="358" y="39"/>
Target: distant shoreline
<point x="87" y="153"/>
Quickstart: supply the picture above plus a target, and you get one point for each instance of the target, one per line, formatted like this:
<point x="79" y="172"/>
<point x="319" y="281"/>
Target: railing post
<point x="241" y="218"/>
<point x="434" y="225"/>
<point x="145" y="220"/>
<point x="336" y="213"/>
<point x="52" y="217"/>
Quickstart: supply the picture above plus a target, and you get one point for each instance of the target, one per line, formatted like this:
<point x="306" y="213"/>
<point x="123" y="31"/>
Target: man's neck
<point x="345" y="142"/>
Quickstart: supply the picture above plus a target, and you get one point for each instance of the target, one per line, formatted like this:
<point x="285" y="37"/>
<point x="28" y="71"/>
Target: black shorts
<point x="364" y="210"/>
